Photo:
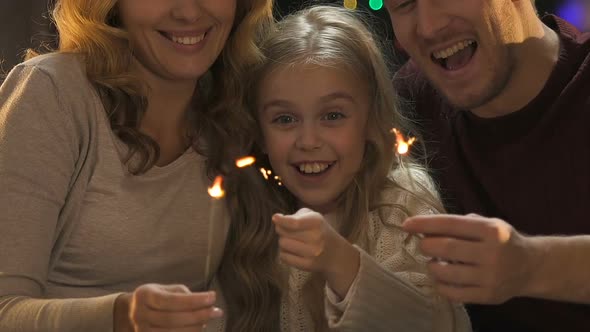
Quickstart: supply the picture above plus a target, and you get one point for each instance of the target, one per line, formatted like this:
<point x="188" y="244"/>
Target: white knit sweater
<point x="391" y="291"/>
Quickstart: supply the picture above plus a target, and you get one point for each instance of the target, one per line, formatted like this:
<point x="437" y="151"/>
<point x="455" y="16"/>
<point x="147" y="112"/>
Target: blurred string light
<point x="353" y="4"/>
<point x="376" y="4"/>
<point x="575" y="12"/>
<point x="350" y="4"/>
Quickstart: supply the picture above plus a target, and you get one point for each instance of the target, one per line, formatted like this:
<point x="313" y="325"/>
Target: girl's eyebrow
<point x="282" y="103"/>
<point x="337" y="95"/>
<point x="277" y="103"/>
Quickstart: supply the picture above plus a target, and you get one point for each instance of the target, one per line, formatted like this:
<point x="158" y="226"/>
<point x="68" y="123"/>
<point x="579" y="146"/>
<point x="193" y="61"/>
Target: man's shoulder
<point x="575" y="56"/>
<point x="566" y="30"/>
<point x="575" y="46"/>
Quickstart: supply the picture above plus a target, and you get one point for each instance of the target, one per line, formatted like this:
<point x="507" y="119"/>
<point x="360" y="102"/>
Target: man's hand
<point x="476" y="259"/>
<point x="154" y="307"/>
<point x="308" y="242"/>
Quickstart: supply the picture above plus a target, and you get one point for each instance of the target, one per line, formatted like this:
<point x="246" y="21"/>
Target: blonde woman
<point x="107" y="146"/>
<point x="325" y="107"/>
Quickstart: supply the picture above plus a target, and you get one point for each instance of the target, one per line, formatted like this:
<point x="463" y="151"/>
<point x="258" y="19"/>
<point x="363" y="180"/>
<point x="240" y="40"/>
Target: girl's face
<point x="314" y="125"/>
<point x="177" y="39"/>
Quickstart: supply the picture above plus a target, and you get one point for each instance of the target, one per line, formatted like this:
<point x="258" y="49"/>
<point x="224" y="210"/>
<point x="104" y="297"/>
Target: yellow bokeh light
<point x="350" y="4"/>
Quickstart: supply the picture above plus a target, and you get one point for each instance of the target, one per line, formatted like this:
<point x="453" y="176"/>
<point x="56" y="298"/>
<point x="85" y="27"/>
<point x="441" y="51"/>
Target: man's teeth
<point x="443" y="54"/>
<point x="187" y="40"/>
<point x="313" y="168"/>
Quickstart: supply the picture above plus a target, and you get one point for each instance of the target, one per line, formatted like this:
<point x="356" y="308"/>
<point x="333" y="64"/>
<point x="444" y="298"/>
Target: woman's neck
<point x="165" y="117"/>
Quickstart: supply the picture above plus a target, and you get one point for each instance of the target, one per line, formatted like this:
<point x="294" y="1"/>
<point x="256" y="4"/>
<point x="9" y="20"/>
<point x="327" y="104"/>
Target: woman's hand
<point x="172" y="308"/>
<point x="308" y="242"/>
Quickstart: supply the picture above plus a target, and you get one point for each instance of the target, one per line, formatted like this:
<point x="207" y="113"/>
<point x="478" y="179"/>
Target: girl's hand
<point x="308" y="242"/>
<point x="154" y="307"/>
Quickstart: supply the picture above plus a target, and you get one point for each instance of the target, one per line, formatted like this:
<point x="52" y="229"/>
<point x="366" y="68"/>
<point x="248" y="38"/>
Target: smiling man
<point x="504" y="100"/>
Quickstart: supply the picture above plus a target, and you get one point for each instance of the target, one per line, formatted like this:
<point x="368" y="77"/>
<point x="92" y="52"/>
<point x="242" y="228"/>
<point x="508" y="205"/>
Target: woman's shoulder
<point x="64" y="69"/>
<point x="50" y="85"/>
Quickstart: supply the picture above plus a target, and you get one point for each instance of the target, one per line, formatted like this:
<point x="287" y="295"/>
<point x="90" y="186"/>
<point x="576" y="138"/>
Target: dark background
<point x="24" y="23"/>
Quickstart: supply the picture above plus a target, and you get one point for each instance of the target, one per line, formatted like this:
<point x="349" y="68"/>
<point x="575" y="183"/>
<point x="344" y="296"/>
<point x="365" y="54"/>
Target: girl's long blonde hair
<point x="336" y="37"/>
<point x="91" y="28"/>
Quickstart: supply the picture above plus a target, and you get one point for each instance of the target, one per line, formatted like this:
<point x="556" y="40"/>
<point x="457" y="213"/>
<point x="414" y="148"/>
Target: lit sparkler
<point x="245" y="162"/>
<point x="217" y="193"/>
<point x="401" y="144"/>
<point x="267" y="173"/>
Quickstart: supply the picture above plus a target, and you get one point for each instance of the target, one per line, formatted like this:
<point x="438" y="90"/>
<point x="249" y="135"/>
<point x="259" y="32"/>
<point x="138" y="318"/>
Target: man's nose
<point x="431" y="18"/>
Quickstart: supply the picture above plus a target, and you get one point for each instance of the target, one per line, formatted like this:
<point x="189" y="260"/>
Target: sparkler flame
<point x="245" y="162"/>
<point x="402" y="145"/>
<point x="216" y="190"/>
<point x="266" y="173"/>
<point x="263" y="171"/>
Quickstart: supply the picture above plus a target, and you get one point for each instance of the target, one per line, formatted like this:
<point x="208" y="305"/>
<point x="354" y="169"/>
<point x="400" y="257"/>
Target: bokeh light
<point x="577" y="12"/>
<point x="376" y="4"/>
<point x="350" y="4"/>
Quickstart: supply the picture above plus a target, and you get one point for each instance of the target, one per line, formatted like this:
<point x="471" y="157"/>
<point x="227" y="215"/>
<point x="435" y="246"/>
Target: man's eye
<point x="284" y="119"/>
<point x="400" y="5"/>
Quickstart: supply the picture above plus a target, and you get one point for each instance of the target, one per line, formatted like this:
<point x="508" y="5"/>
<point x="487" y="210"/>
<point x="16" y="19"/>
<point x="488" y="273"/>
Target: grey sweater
<point x="76" y="228"/>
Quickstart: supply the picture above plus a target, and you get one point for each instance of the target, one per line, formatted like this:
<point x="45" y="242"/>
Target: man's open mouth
<point x="456" y="56"/>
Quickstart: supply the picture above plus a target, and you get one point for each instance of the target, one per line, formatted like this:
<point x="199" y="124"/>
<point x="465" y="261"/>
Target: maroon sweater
<point x="530" y="168"/>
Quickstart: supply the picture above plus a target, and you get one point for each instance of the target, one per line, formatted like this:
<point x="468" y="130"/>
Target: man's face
<point x="462" y="46"/>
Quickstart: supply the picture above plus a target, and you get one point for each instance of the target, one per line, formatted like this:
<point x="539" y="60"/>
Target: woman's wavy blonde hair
<point x="335" y="37"/>
<point x="221" y="130"/>
<point x="91" y="28"/>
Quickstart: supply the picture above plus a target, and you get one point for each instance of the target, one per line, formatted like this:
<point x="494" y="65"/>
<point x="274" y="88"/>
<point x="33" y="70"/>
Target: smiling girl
<point x="325" y="107"/>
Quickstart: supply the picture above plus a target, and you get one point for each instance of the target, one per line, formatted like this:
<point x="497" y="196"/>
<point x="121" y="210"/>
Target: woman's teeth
<point x="443" y="54"/>
<point x="187" y="40"/>
<point x="313" y="168"/>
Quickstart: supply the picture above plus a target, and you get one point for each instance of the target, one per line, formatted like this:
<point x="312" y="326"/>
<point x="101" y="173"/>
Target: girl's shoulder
<point x="411" y="191"/>
<point x="414" y="179"/>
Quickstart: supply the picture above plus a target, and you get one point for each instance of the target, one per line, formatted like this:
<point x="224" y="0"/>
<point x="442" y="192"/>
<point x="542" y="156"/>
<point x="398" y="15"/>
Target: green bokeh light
<point x="376" y="4"/>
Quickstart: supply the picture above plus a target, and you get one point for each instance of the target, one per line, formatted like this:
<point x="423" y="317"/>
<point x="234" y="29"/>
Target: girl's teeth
<point x="312" y="168"/>
<point x="316" y="168"/>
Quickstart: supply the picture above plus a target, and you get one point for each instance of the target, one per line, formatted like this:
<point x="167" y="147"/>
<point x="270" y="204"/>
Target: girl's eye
<point x="283" y="119"/>
<point x="332" y="116"/>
